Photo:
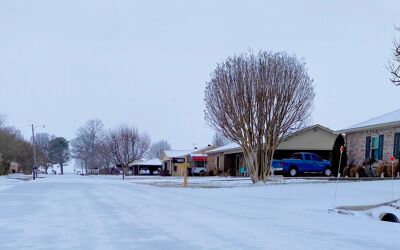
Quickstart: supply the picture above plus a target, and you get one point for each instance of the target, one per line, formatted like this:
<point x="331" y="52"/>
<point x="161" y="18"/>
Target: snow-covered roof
<point x="234" y="147"/>
<point x="176" y="153"/>
<point x="228" y="147"/>
<point x="151" y="162"/>
<point x="199" y="155"/>
<point x="380" y="121"/>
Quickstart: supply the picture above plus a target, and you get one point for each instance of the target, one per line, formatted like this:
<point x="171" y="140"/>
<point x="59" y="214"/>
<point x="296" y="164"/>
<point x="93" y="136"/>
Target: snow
<point x="97" y="212"/>
<point x="151" y="162"/>
<point x="176" y="153"/>
<point x="388" y="118"/>
<point x="200" y="155"/>
<point x="9" y="181"/>
<point x="228" y="147"/>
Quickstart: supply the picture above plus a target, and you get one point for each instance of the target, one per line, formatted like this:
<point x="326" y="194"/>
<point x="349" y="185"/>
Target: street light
<point x="34" y="149"/>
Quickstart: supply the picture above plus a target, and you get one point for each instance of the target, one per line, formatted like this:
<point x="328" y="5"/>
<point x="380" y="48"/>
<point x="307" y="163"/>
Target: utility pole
<point x="34" y="153"/>
<point x="34" y="150"/>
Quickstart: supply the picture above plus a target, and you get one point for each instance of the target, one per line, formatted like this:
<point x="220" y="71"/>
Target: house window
<point x="217" y="162"/>
<point x="396" y="145"/>
<point x="375" y="147"/>
<point x="174" y="168"/>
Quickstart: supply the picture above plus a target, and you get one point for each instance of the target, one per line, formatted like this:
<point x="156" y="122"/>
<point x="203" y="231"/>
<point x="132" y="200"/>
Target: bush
<point x="335" y="156"/>
<point x="357" y="170"/>
<point x="346" y="171"/>
<point x="382" y="168"/>
<point x="211" y="173"/>
<point x="164" y="172"/>
<point x="389" y="170"/>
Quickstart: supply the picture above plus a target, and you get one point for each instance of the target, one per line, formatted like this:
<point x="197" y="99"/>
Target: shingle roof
<point x="386" y="119"/>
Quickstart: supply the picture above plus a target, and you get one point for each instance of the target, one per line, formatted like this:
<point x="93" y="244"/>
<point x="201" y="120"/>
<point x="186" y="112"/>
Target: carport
<point x="314" y="139"/>
<point x="152" y="165"/>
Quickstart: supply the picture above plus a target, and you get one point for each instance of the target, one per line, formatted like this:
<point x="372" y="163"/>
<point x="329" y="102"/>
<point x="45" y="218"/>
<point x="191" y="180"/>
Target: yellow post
<point x="185" y="176"/>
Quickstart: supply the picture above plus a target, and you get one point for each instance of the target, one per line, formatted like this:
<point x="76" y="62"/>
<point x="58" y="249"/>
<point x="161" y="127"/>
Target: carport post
<point x="337" y="178"/>
<point x="185" y="177"/>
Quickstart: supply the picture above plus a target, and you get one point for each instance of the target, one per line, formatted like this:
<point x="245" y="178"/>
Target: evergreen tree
<point x="335" y="157"/>
<point x="59" y="152"/>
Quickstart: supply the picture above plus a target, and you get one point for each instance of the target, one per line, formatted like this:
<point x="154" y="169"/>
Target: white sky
<point x="146" y="63"/>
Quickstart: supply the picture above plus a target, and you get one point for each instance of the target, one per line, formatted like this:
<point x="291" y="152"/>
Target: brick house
<point x="376" y="138"/>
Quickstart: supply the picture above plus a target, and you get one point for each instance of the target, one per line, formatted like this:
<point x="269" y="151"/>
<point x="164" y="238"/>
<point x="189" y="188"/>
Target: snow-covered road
<point x="76" y="212"/>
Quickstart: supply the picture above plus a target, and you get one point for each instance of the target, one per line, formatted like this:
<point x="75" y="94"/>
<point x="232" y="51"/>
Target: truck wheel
<point x="202" y="173"/>
<point x="292" y="171"/>
<point x="328" y="172"/>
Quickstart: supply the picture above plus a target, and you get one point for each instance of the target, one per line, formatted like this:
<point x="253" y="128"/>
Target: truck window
<point x="316" y="157"/>
<point x="307" y="157"/>
<point x="296" y="156"/>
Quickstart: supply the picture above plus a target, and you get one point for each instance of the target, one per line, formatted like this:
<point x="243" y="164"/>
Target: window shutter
<point x="380" y="151"/>
<point x="368" y="147"/>
<point x="396" y="145"/>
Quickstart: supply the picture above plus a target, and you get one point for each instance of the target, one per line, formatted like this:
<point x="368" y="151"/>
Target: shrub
<point x="164" y="172"/>
<point x="382" y="168"/>
<point x="211" y="173"/>
<point x="346" y="171"/>
<point x="335" y="157"/>
<point x="357" y="170"/>
<point x="395" y="170"/>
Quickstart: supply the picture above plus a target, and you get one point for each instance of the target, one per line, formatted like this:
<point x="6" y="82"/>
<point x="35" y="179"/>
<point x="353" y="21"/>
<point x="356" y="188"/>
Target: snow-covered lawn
<point x="80" y="212"/>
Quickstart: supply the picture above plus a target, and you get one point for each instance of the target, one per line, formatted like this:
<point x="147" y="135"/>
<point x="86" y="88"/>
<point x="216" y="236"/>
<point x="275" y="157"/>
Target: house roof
<point x="392" y="118"/>
<point x="176" y="153"/>
<point x="309" y="128"/>
<point x="229" y="147"/>
<point x="151" y="162"/>
<point x="199" y="155"/>
<point x="234" y="147"/>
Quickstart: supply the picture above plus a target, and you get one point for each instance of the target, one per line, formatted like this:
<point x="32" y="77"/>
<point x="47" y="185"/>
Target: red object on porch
<point x="199" y="158"/>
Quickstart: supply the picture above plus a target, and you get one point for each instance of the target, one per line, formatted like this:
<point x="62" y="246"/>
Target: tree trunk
<point x="62" y="168"/>
<point x="258" y="162"/>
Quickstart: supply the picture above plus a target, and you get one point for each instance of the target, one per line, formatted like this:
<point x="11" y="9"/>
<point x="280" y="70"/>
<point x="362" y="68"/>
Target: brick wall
<point x="356" y="143"/>
<point x="212" y="161"/>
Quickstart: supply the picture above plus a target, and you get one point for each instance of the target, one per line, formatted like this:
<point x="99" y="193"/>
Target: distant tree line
<point x="96" y="149"/>
<point x="50" y="150"/>
<point x="92" y="148"/>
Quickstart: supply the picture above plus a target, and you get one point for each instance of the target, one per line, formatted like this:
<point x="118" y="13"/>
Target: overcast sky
<point x="146" y="63"/>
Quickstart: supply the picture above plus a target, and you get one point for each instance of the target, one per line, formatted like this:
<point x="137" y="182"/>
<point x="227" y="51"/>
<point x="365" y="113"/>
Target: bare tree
<point x="257" y="99"/>
<point x="42" y="141"/>
<point x="2" y="120"/>
<point x="394" y="65"/>
<point x="220" y="140"/>
<point x="13" y="147"/>
<point x="158" y="148"/>
<point x="86" y="145"/>
<point x="125" y="145"/>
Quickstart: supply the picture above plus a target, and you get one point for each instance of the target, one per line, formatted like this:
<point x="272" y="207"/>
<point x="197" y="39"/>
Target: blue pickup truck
<point x="301" y="163"/>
